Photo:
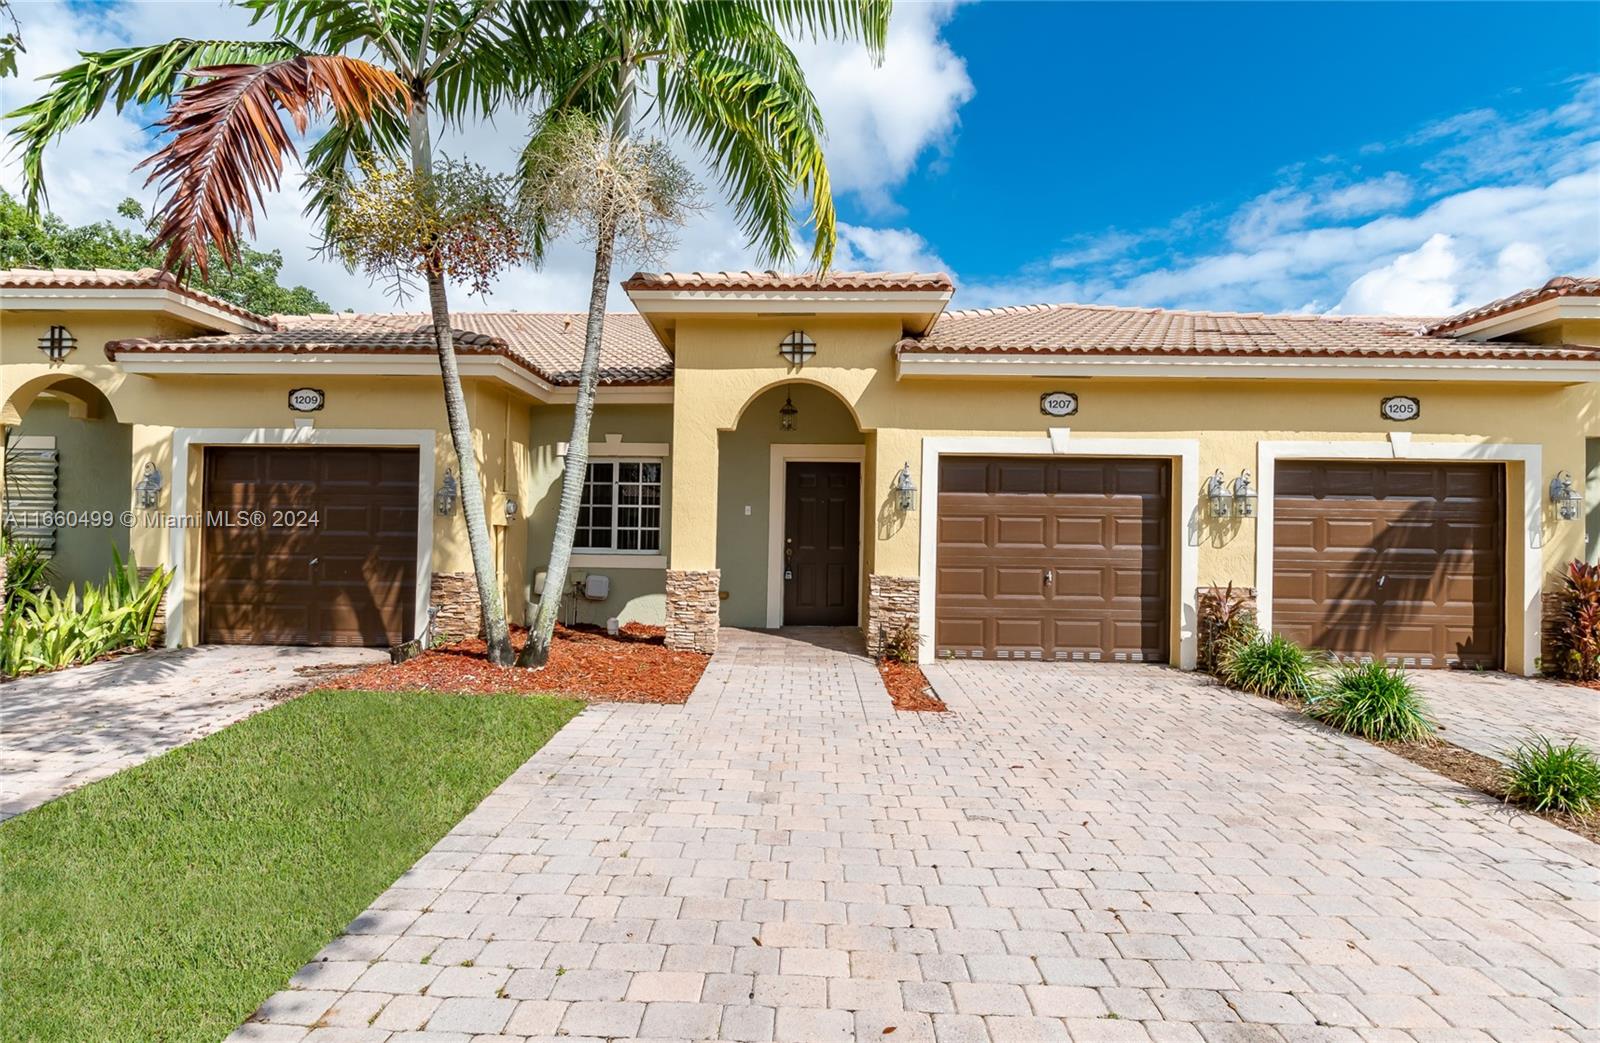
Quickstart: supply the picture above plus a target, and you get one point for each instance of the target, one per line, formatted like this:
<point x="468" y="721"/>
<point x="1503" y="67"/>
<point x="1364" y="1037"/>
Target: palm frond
<point x="765" y="143"/>
<point x="119" y="78"/>
<point x="229" y="142"/>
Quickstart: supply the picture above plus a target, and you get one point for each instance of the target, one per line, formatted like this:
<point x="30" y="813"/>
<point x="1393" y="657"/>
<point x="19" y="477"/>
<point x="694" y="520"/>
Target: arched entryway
<point x="68" y="463"/>
<point x="791" y="524"/>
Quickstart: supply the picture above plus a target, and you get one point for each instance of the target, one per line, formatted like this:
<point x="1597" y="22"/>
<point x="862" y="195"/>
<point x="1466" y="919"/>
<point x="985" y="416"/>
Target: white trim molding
<point x="618" y="560"/>
<point x="1139" y="367"/>
<point x="777" y="510"/>
<point x="1059" y="441"/>
<point x="186" y="438"/>
<point x="129" y="298"/>
<point x="379" y="363"/>
<point x="1400" y="446"/>
<point x="614" y="446"/>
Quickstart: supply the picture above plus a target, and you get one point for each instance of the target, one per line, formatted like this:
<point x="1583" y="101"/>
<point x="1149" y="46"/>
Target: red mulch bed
<point x="635" y="666"/>
<point x="908" y="688"/>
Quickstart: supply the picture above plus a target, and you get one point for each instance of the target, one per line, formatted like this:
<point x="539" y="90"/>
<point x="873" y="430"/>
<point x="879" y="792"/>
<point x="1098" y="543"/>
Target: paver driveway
<point x="61" y="730"/>
<point x="788" y="858"/>
<point x="1490" y="713"/>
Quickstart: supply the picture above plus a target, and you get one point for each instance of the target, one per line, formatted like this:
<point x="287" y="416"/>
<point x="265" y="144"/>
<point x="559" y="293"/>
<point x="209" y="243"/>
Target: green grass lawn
<point x="166" y="902"/>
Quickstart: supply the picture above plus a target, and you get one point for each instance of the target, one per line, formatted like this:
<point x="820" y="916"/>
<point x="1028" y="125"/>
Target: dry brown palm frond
<point x="229" y="142"/>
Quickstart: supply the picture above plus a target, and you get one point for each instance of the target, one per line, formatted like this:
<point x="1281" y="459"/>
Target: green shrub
<point x="1548" y="777"/>
<point x="897" y="644"/>
<point x="43" y="630"/>
<point x="1271" y="665"/>
<point x="1577" y="624"/>
<point x="27" y="567"/>
<point x="1373" y="701"/>
<point x="1227" y="618"/>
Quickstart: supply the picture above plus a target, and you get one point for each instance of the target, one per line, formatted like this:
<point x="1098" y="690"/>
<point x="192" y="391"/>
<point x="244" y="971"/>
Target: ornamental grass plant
<point x="1373" y="701"/>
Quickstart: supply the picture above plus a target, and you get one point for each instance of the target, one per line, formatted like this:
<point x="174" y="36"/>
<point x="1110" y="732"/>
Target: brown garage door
<point x="1398" y="562"/>
<point x="333" y="560"/>
<point x="1045" y="558"/>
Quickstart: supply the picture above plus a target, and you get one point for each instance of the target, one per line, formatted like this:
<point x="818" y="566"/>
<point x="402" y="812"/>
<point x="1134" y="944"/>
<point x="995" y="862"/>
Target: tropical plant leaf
<point x="119" y="78"/>
<point x="229" y="142"/>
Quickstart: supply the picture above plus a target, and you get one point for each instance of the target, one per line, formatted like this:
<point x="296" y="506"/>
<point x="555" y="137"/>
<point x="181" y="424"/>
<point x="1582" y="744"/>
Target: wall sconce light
<point x="906" y="488"/>
<point x="1217" y="495"/>
<point x="786" y="414"/>
<point x="1244" y="495"/>
<point x="58" y="343"/>
<point x="1565" y="497"/>
<point x="148" y="488"/>
<point x="444" y="501"/>
<point x="797" y="348"/>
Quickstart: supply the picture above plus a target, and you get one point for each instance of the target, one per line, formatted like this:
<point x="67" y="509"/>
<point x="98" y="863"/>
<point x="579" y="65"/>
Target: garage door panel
<point x="962" y="580"/>
<point x="1080" y="533"/>
<point x="1026" y="582"/>
<point x="1102" y="530"/>
<point x="1404" y="562"/>
<point x="345" y="577"/>
<point x="1019" y="631"/>
<point x="1018" y="478"/>
<point x="1020" y="531"/>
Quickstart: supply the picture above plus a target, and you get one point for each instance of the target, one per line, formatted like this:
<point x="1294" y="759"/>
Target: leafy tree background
<point x="49" y="242"/>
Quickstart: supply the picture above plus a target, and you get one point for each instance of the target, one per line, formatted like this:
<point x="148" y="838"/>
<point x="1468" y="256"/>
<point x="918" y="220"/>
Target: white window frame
<point x="616" y="506"/>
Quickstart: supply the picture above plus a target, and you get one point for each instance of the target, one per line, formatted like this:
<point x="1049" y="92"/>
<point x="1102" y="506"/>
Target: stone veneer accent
<point x="455" y="595"/>
<point x="1551" y="623"/>
<point x="158" y="630"/>
<point x="694" y="609"/>
<point x="892" y="602"/>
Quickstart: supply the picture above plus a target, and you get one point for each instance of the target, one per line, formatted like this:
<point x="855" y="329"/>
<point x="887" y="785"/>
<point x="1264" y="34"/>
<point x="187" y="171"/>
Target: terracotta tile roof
<point x="550" y="345"/>
<point x="1079" y="329"/>
<point x="118" y="279"/>
<point x="1560" y="286"/>
<point x="747" y="280"/>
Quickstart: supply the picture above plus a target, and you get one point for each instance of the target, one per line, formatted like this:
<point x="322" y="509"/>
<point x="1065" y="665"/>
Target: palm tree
<point x="724" y="79"/>
<point x="454" y="59"/>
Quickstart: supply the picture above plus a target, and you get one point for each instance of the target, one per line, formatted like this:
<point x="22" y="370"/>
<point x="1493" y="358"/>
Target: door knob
<point x="1049" y="576"/>
<point x="1381" y="580"/>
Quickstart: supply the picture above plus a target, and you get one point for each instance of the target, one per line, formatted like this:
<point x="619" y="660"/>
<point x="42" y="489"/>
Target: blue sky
<point x="1283" y="157"/>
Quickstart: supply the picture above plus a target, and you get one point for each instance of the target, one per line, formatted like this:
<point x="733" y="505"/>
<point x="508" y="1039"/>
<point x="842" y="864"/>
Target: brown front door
<point x="309" y="546"/>
<point x="1398" y="562"/>
<point x="1050" y="558"/>
<point x="821" y="544"/>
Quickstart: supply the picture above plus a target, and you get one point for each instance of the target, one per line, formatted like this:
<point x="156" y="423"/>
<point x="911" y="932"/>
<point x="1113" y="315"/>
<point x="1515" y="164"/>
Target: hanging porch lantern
<point x="1217" y="495"/>
<point x="1244" y="495"/>
<point x="1564" y="495"/>
<point x="786" y="414"/>
<point x="444" y="501"/>
<point x="905" y="488"/>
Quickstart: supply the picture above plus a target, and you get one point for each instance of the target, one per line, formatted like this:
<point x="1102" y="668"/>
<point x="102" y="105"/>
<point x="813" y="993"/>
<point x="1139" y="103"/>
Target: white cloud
<point x="1422" y="282"/>
<point x="882" y="120"/>
<point x="885" y="249"/>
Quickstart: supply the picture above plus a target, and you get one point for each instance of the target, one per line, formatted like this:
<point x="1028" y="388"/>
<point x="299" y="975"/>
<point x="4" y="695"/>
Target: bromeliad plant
<point x="1273" y="666"/>
<point x="44" y="630"/>
<point x="1227" y="619"/>
<point x="1577" y="628"/>
<point x="1373" y="701"/>
<point x="1547" y="777"/>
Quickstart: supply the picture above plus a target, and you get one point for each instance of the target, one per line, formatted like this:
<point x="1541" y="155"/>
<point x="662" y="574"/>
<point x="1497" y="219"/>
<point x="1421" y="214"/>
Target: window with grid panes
<point x="621" y="507"/>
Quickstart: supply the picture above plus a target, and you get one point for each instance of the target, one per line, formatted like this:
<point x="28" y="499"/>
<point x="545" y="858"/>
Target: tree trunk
<point x="495" y="633"/>
<point x="542" y="631"/>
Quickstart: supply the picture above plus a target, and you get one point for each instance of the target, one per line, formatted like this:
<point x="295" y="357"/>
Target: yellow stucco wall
<point x="724" y="362"/>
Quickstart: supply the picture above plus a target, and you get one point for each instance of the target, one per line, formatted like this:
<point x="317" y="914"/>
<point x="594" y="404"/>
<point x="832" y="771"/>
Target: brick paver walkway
<point x="1089" y="852"/>
<point x="1490" y="713"/>
<point x="61" y="730"/>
